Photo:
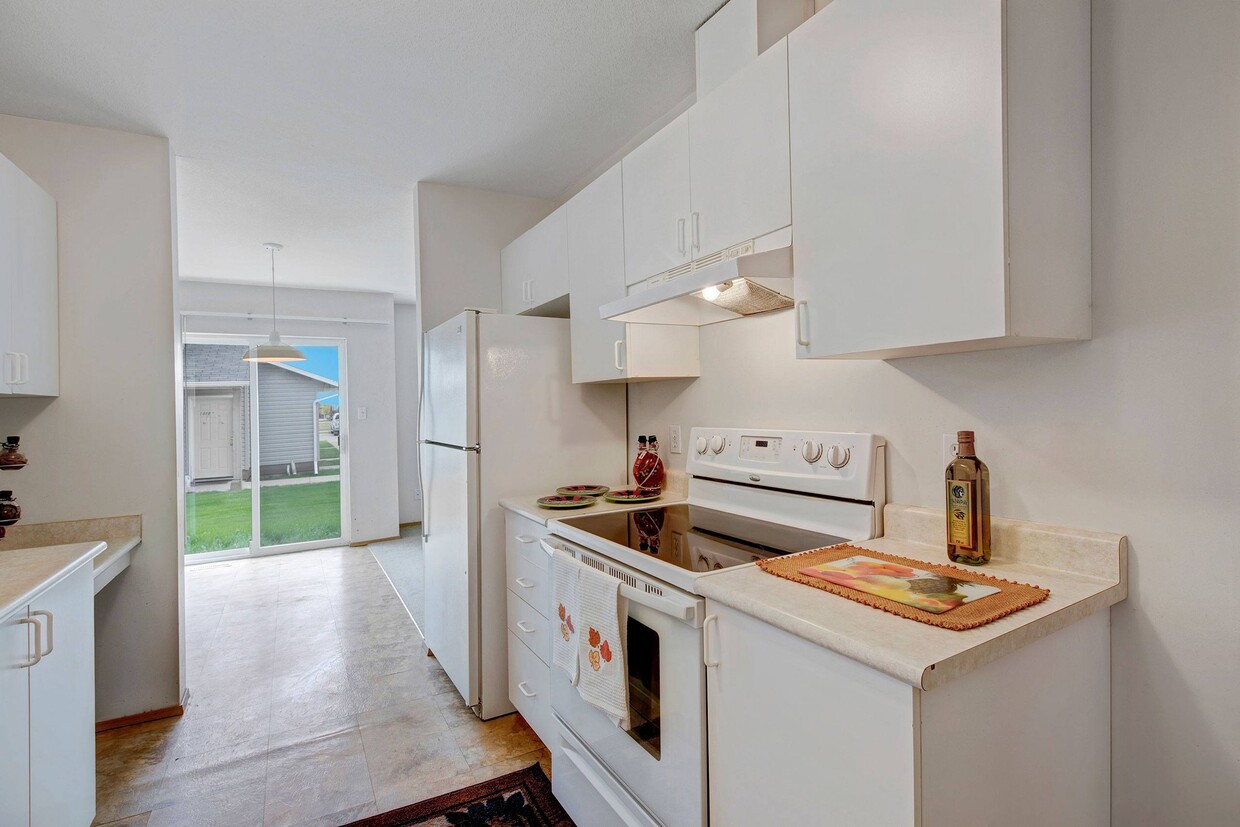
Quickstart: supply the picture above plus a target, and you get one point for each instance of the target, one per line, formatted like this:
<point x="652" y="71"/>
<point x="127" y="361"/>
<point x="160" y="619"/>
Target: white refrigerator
<point x="500" y="417"/>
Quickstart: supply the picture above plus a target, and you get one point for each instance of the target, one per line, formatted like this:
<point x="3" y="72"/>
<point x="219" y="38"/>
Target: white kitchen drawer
<point x="529" y="688"/>
<point x="523" y="535"/>
<point x="530" y="583"/>
<point x="530" y="627"/>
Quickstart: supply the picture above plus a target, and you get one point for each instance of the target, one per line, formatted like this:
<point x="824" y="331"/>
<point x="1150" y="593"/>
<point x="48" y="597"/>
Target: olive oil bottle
<point x="968" y="505"/>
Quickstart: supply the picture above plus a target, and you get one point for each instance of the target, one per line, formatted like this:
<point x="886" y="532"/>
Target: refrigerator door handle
<point x="426" y="512"/>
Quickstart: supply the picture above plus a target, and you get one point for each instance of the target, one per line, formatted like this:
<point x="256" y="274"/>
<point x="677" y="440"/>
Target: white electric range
<point x="753" y="494"/>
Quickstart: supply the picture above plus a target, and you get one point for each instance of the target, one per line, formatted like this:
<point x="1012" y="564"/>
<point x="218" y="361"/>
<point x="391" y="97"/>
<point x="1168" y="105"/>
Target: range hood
<point x="752" y="277"/>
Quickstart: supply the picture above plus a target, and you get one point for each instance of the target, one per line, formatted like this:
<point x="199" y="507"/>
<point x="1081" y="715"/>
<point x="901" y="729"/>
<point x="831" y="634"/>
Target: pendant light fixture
<point x="273" y="350"/>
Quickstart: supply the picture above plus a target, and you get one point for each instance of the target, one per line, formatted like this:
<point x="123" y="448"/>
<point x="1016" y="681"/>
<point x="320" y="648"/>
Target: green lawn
<point x="216" y="520"/>
<point x="327" y="450"/>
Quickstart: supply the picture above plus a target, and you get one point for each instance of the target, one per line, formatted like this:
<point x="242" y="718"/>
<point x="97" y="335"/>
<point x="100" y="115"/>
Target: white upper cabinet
<point x="656" y="203"/>
<point x="29" y="310"/>
<point x="606" y="351"/>
<point x="940" y="176"/>
<point x="534" y="267"/>
<point x="738" y="151"/>
<point x="715" y="177"/>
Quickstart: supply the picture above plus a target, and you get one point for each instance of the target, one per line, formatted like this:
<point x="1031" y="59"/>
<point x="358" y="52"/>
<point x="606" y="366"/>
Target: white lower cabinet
<point x="47" y="707"/>
<point x="799" y="734"/>
<point x="529" y="625"/>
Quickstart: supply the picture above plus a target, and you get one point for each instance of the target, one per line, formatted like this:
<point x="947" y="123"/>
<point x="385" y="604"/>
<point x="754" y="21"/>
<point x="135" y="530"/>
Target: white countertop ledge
<point x="1086" y="572"/>
<point x="26" y="572"/>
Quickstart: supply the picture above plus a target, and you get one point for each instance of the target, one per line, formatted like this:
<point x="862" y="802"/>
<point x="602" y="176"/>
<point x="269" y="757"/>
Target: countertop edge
<point x="114" y="560"/>
<point x="89" y="551"/>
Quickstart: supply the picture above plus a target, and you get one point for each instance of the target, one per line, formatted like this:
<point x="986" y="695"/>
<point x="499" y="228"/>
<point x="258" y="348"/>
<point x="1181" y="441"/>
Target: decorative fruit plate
<point x="584" y="490"/>
<point x="566" y="501"/>
<point x="632" y="495"/>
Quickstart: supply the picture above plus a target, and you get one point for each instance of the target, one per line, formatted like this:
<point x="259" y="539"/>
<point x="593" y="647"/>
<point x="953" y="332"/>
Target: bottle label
<point x="960" y="513"/>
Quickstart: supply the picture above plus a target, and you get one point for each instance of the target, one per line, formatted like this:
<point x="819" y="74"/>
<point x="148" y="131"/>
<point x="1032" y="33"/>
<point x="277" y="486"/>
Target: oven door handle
<point x="685" y="610"/>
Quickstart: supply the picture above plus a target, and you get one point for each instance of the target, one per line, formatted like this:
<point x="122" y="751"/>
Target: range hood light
<point x="711" y="293"/>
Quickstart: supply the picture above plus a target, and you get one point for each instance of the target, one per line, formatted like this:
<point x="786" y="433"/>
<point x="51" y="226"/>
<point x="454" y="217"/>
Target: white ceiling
<point x="309" y="121"/>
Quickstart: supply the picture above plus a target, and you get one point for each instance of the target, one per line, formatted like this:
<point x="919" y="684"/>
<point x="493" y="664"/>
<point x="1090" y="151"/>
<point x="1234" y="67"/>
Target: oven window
<point x="643" y="662"/>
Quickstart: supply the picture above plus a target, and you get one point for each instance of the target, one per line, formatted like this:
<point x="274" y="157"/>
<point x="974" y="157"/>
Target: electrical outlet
<point x="949" y="449"/>
<point x="361" y="413"/>
<point x="674" y="444"/>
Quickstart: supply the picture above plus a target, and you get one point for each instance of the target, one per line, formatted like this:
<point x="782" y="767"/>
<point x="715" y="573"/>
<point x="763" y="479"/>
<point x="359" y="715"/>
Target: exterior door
<point x="213" y="437"/>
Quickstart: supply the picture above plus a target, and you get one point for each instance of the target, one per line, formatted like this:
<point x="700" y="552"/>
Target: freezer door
<point x="450" y="382"/>
<point x="451" y="559"/>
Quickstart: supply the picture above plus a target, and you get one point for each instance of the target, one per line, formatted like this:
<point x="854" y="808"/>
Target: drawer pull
<point x="527" y="693"/>
<point x="525" y="627"/>
<point x="523" y="583"/>
<point x="525" y="538"/>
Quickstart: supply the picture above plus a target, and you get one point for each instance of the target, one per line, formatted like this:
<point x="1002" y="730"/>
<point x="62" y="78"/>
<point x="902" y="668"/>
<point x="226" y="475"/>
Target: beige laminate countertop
<point x="529" y="507"/>
<point x="24" y="572"/>
<point x="1086" y="572"/>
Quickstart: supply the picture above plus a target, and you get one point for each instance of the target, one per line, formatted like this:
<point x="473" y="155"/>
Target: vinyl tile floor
<point x="313" y="703"/>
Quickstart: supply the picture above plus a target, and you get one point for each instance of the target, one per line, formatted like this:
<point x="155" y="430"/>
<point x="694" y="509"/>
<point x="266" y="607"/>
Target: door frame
<point x="256" y="549"/>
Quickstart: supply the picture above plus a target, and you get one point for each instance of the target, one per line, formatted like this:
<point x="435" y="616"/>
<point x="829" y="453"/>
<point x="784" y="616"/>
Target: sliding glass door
<point x="266" y="449"/>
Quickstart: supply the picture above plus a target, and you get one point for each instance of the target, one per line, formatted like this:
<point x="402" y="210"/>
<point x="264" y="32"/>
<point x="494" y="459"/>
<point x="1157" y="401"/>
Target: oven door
<point x="661" y="760"/>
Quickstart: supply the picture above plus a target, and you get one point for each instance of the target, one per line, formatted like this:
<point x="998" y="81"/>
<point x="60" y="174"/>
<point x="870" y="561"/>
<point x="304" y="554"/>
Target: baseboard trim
<point x="140" y="718"/>
<point x="378" y="540"/>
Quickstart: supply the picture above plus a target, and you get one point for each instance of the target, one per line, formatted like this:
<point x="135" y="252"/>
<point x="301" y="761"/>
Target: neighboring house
<point x="217" y="405"/>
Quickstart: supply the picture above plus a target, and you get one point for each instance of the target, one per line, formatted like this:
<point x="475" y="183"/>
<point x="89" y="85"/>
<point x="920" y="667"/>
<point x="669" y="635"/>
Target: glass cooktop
<point x="697" y="538"/>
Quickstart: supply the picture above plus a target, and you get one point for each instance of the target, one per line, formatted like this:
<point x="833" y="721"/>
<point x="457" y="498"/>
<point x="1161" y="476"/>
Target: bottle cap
<point x="6" y="495"/>
<point x="964" y="436"/>
<point x="641" y="439"/>
<point x="12" y="439"/>
<point x="654" y="438"/>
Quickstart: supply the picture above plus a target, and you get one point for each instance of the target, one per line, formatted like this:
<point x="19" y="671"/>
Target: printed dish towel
<point x="604" y="679"/>
<point x="564" y="569"/>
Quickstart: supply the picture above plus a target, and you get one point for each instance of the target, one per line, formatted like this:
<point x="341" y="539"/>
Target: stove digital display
<point x="760" y="448"/>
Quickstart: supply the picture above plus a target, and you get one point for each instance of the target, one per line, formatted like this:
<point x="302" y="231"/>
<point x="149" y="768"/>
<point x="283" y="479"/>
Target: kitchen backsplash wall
<point x="1133" y="432"/>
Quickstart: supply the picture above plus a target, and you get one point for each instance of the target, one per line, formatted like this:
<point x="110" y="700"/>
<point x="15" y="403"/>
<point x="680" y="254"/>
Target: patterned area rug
<point x="519" y="799"/>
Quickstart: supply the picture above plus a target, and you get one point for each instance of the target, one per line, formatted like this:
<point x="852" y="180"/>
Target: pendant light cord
<point x="273" y="288"/>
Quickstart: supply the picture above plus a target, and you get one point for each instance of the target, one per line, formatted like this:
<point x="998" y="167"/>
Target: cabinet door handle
<point x="11" y="361"/>
<point x="38" y="640"/>
<point x="616" y="353"/>
<point x="26" y="373"/>
<point x="524" y="691"/>
<point x="523" y="583"/>
<point x="708" y="654"/>
<point x="525" y="627"/>
<point x="525" y="539"/>
<point x="680" y="234"/>
<point x="697" y="231"/>
<point x="802" y="334"/>
<point x="51" y="629"/>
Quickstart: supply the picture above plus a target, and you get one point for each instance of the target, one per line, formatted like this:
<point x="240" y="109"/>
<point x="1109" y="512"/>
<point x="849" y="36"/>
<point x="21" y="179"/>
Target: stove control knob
<point x="811" y="451"/>
<point x="717" y="444"/>
<point x="700" y="445"/>
<point x="838" y="457"/>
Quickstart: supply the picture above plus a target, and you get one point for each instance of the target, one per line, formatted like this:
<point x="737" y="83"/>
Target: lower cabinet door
<point x="15" y="721"/>
<point x="62" y="705"/>
<point x="529" y="688"/>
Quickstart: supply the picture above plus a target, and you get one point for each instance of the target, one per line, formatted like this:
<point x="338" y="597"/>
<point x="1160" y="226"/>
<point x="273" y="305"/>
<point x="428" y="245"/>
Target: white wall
<point x="408" y="344"/>
<point x="108" y="445"/>
<point x="1133" y="432"/>
<point x="370" y="376"/>
<point x="460" y="234"/>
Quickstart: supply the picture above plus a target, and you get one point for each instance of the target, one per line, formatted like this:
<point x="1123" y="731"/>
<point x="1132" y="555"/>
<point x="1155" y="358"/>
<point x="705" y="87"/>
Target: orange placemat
<point x="1012" y="597"/>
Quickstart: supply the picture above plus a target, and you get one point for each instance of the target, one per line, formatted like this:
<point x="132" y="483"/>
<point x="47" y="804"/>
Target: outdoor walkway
<point x="313" y="703"/>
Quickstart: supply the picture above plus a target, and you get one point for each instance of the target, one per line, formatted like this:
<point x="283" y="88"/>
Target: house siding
<point x="286" y="419"/>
